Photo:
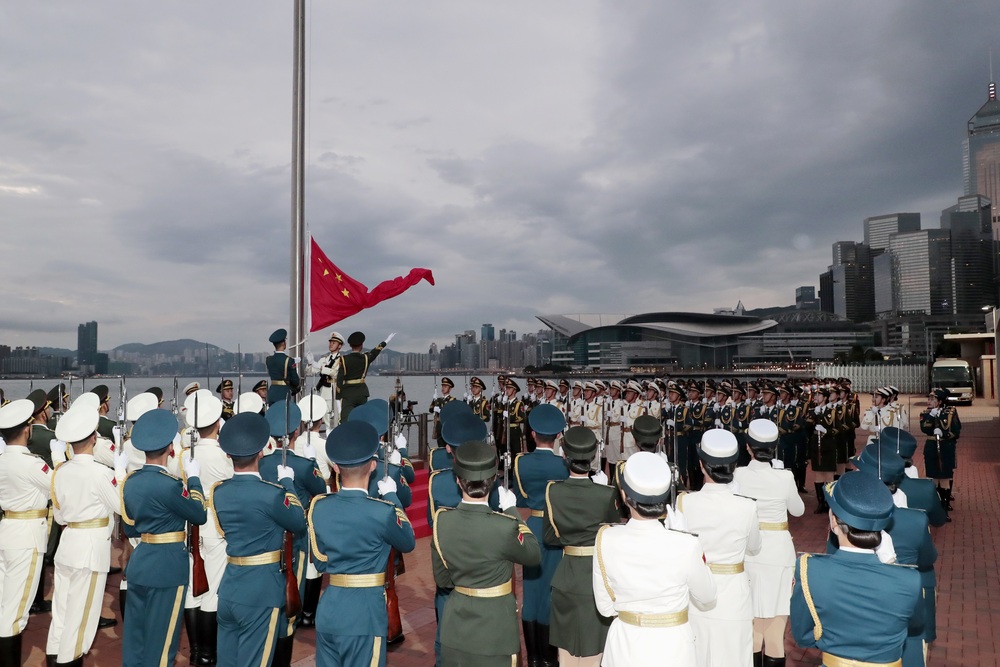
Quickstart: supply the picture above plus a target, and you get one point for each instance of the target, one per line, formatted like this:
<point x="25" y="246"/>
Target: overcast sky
<point x="540" y="157"/>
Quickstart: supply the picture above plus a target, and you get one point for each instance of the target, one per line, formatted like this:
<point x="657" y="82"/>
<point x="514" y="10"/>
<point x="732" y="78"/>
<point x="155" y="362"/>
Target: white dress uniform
<point x="728" y="528"/>
<point x="630" y="413"/>
<point x="85" y="500"/>
<point x="592" y="417"/>
<point x="652" y="408"/>
<point x="771" y="570"/>
<point x="215" y="467"/>
<point x="24" y="497"/>
<point x="613" y="413"/>
<point x="627" y="582"/>
<point x="329" y="367"/>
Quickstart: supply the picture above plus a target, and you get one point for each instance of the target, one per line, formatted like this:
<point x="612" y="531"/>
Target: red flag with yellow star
<point x="334" y="295"/>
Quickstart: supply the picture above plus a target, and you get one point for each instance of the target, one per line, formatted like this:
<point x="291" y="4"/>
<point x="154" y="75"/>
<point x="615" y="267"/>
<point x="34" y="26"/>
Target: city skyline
<point x="560" y="158"/>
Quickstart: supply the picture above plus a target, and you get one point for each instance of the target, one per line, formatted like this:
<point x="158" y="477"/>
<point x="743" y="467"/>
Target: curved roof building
<point x="650" y="339"/>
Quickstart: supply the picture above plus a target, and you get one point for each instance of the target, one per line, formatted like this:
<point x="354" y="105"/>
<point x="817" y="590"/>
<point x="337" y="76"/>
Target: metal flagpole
<point x="298" y="279"/>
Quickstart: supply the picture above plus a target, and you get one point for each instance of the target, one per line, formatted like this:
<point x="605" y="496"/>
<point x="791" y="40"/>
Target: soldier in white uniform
<point x="650" y="603"/>
<point x="576" y="403"/>
<point x="651" y="406"/>
<point x="592" y="418"/>
<point x="880" y="415"/>
<point x="24" y="497"/>
<point x="772" y="569"/>
<point x="311" y="445"/>
<point x="728" y="528"/>
<point x="201" y="613"/>
<point x="84" y="500"/>
<point x="613" y="407"/>
<point x="630" y="410"/>
<point x="327" y="367"/>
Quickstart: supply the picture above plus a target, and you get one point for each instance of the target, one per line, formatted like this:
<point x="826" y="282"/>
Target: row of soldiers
<point x="738" y="605"/>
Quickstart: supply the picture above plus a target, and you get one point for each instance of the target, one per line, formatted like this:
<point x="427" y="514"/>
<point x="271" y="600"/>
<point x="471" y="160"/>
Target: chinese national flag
<point x="334" y="295"/>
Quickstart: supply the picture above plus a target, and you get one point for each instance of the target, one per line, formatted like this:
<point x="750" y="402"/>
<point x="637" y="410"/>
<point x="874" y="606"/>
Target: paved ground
<point x="968" y="589"/>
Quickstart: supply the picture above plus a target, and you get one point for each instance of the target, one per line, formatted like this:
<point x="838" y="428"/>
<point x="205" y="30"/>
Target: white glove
<point x="388" y="339"/>
<point x="466" y="397"/>
<point x="820" y="428"/>
<point x="386" y="485"/>
<point x="670" y="423"/>
<point x="600" y="478"/>
<point x="938" y="432"/>
<point x="310" y="359"/>
<point x="296" y="360"/>
<point x="58" y="450"/>
<point x="718" y="423"/>
<point x="507" y="498"/>
<point x="116" y="432"/>
<point x="505" y="415"/>
<point x="285" y="472"/>
<point x="121" y="463"/>
<point x="395" y="458"/>
<point x="675" y="519"/>
<point x="818" y="410"/>
<point x="400" y="441"/>
<point x="435" y="396"/>
<point x="192" y="467"/>
<point x="437" y="409"/>
<point x="777" y="464"/>
<point x="309" y="451"/>
<point x="935" y="412"/>
<point x="885" y="551"/>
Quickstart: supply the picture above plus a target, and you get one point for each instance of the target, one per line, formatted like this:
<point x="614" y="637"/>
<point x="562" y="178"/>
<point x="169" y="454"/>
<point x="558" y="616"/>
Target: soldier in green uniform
<point x="477" y="401"/>
<point x="352" y="370"/>
<point x="156" y="507"/>
<point x="281" y="369"/>
<point x="253" y="516"/>
<point x="225" y="392"/>
<point x="475" y="550"/>
<point x="105" y="425"/>
<point x="574" y="510"/>
<point x="438" y="403"/>
<point x="59" y="400"/>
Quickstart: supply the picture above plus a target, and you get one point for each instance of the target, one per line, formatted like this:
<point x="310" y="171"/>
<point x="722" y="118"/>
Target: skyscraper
<point x="971" y="253"/>
<point x="853" y="286"/>
<point x="86" y="344"/>
<point x="878" y="228"/>
<point x="982" y="155"/>
<point x="921" y="272"/>
<point x="487" y="332"/>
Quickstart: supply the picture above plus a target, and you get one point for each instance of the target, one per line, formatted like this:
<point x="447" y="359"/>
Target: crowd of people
<point x="232" y="519"/>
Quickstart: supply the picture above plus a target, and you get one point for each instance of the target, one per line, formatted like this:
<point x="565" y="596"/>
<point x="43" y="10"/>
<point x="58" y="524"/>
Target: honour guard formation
<point x="645" y="522"/>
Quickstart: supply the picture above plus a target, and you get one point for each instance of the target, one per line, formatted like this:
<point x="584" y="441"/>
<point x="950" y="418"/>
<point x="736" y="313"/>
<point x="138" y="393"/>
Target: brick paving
<point x="968" y="576"/>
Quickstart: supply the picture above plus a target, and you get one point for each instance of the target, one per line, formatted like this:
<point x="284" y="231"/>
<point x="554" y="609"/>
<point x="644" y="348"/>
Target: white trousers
<point x="20" y="571"/>
<point x="77" y="598"/>
<point x="213" y="552"/>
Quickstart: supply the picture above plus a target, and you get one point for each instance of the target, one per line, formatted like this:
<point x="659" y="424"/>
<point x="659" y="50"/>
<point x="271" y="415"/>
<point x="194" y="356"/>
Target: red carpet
<point x="417" y="511"/>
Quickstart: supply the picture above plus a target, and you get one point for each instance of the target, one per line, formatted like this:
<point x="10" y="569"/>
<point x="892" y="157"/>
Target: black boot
<point x="948" y="497"/>
<point x="548" y="656"/>
<point x="50" y="661"/>
<point x="310" y="601"/>
<point x="122" y="596"/>
<point x="72" y="663"/>
<point x="283" y="652"/>
<point x="821" y="505"/>
<point x="208" y="637"/>
<point x="773" y="662"/>
<point x="800" y="479"/>
<point x="10" y="651"/>
<point x="530" y="629"/>
<point x="40" y="605"/>
<point x="758" y="659"/>
<point x="191" y="628"/>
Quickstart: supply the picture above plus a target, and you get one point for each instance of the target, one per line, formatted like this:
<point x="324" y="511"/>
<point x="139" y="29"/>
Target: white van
<point x="957" y="377"/>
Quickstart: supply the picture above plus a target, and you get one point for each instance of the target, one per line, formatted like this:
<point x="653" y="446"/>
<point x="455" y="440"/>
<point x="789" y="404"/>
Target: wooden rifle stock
<point x="392" y="601"/>
<point x="293" y="602"/>
<point x="199" y="578"/>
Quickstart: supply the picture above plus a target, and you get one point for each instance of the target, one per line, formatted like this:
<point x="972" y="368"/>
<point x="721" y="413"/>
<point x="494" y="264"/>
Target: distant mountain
<point x="167" y="347"/>
<point x="770" y="312"/>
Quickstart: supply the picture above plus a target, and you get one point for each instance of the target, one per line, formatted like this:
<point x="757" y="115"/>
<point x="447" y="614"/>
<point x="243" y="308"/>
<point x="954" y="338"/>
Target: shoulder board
<point x="740" y="495"/>
<point x="164" y="472"/>
<point x="907" y="565"/>
<point x="682" y="532"/>
<point x="506" y="516"/>
<point x="811" y="555"/>
<point x="275" y="485"/>
<point x="382" y="500"/>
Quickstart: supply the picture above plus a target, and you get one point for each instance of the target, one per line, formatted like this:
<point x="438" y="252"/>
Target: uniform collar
<point x="239" y="475"/>
<point x="649" y="524"/>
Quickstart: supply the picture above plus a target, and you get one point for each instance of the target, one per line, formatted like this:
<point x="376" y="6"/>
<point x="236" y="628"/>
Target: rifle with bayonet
<point x="199" y="577"/>
<point x="395" y="629"/>
<point x="293" y="601"/>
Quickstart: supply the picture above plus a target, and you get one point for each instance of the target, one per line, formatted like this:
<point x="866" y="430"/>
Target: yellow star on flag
<point x="340" y="278"/>
<point x="326" y="272"/>
<point x="345" y="292"/>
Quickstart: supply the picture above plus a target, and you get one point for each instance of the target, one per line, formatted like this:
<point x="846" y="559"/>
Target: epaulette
<point x="740" y="495"/>
<point x="506" y="516"/>
<point x="382" y="500"/>
<point x="277" y="486"/>
<point x="682" y="532"/>
<point x="167" y="473"/>
<point x="908" y="565"/>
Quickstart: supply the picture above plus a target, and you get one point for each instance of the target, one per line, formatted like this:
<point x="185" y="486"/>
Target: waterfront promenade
<point x="968" y="589"/>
